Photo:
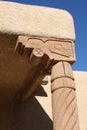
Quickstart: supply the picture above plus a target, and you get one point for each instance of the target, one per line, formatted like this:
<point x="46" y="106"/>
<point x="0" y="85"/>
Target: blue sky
<point x="78" y="9"/>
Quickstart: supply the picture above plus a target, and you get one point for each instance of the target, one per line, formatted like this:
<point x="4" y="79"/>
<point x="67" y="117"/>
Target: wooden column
<point x="64" y="104"/>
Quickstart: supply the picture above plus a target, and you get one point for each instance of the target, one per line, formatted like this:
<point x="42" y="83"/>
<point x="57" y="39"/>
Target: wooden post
<point x="64" y="104"/>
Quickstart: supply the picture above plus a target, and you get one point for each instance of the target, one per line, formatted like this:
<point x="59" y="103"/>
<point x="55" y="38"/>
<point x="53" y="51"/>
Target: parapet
<point x="20" y="19"/>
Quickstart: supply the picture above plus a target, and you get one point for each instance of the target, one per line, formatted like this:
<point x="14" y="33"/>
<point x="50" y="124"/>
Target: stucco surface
<point x="36" y="112"/>
<point x="81" y="85"/>
<point x="35" y="20"/>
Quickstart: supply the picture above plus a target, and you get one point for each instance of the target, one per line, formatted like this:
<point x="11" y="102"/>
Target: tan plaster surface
<point x="35" y="20"/>
<point x="81" y="85"/>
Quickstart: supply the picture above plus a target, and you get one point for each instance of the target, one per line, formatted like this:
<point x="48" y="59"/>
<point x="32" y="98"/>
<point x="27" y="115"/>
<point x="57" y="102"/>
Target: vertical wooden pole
<point x="64" y="104"/>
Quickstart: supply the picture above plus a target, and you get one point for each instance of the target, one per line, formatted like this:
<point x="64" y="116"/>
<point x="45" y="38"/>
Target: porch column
<point x="64" y="103"/>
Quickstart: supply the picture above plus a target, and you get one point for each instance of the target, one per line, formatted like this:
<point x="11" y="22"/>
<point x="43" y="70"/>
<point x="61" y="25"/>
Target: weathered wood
<point x="57" y="49"/>
<point x="62" y="69"/>
<point x="36" y="56"/>
<point x="62" y="82"/>
<point x="64" y="104"/>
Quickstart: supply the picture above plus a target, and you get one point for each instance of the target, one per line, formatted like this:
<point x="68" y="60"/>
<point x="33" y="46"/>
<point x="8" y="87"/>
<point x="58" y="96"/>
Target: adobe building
<point x="38" y="42"/>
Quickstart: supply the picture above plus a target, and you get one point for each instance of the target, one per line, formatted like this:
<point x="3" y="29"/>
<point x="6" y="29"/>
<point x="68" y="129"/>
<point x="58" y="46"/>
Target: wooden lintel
<point x="57" y="49"/>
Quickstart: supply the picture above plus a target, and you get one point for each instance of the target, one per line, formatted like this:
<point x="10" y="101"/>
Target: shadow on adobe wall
<point x="28" y="115"/>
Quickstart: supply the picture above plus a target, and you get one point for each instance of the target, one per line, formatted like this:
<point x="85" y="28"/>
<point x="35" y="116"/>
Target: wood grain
<point x="64" y="103"/>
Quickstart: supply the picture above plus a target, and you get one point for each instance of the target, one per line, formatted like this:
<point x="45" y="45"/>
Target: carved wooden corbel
<point x="50" y="56"/>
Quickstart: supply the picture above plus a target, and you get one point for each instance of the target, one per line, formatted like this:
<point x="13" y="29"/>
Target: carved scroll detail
<point x="57" y="49"/>
<point x="62" y="48"/>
